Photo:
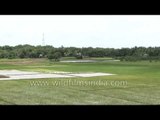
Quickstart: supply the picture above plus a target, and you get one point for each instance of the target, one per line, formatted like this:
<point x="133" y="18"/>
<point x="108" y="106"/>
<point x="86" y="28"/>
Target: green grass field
<point x="134" y="83"/>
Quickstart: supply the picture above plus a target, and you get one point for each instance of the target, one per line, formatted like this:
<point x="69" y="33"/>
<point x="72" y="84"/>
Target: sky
<point x="107" y="31"/>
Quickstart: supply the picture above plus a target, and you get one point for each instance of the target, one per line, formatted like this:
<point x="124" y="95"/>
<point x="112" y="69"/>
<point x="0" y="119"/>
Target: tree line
<point x="50" y="52"/>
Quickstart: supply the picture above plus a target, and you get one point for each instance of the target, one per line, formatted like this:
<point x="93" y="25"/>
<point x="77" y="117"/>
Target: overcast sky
<point x="113" y="31"/>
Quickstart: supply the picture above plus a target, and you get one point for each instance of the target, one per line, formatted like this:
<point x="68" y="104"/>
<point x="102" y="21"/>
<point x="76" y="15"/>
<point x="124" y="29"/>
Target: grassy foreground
<point x="134" y="83"/>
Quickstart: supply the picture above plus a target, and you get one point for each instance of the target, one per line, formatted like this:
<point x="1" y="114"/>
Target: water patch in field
<point x="17" y="74"/>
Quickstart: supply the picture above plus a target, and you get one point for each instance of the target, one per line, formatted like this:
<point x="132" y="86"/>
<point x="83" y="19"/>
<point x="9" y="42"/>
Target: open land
<point x="131" y="83"/>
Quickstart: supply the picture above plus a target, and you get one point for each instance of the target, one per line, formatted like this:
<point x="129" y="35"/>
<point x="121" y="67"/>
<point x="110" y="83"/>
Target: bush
<point x="56" y="56"/>
<point x="79" y="57"/>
